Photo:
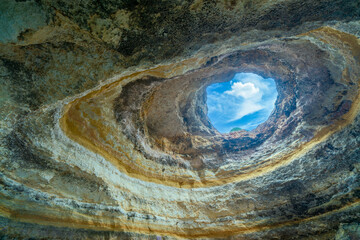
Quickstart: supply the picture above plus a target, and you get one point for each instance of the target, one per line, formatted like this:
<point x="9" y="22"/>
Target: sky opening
<point x="244" y="102"/>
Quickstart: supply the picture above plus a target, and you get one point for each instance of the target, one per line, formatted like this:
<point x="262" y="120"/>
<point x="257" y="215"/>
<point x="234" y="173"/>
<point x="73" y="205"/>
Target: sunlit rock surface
<point x="104" y="128"/>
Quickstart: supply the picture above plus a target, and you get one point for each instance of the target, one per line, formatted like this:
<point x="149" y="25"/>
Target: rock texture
<point x="104" y="128"/>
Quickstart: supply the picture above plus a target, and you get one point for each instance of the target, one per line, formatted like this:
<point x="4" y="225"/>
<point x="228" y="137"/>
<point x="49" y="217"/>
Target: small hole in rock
<point x="242" y="103"/>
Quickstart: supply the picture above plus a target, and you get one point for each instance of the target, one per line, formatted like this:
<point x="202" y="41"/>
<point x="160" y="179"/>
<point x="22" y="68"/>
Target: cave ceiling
<point x="104" y="127"/>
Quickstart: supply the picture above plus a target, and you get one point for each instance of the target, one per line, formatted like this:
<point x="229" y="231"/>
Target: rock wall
<point x="104" y="128"/>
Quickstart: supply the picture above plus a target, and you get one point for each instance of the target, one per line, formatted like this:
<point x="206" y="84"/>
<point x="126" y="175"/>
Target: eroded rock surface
<point x="104" y="128"/>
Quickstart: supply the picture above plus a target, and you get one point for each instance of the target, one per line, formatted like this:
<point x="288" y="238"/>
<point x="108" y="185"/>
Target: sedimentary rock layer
<point x="103" y="137"/>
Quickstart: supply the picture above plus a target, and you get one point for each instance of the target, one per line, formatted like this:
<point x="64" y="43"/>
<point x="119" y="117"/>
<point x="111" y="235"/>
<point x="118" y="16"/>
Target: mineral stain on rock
<point x="104" y="127"/>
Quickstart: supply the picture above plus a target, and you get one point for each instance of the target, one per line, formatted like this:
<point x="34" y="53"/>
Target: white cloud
<point x="249" y="93"/>
<point x="251" y="102"/>
<point x="257" y="80"/>
<point x="245" y="108"/>
<point x="245" y="90"/>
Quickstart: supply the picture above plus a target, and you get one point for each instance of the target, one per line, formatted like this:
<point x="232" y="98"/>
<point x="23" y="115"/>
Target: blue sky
<point x="245" y="101"/>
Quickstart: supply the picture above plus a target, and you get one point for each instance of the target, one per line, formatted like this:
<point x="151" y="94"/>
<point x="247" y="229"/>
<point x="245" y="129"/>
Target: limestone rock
<point x="104" y="128"/>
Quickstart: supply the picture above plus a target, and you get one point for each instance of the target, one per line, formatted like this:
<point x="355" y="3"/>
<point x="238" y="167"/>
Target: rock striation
<point x="104" y="128"/>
